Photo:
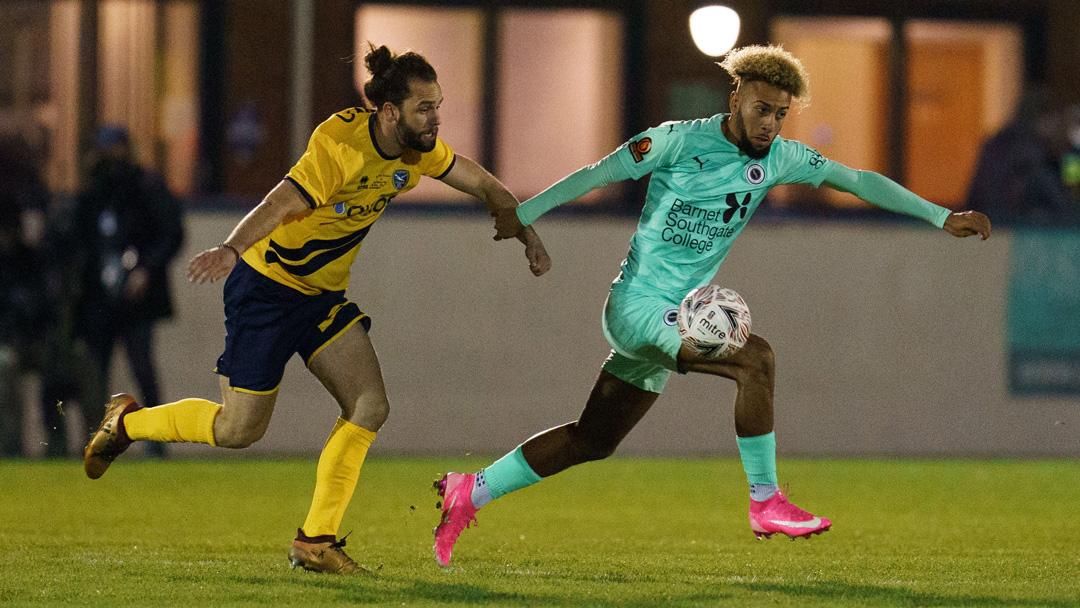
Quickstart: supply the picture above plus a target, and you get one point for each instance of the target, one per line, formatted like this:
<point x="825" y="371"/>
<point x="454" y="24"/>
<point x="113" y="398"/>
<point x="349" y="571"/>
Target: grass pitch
<point x="610" y="534"/>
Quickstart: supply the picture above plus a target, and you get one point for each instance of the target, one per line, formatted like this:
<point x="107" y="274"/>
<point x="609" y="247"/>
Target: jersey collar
<point x="720" y="127"/>
<point x="375" y="142"/>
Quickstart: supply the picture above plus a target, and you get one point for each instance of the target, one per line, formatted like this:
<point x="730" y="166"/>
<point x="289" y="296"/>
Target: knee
<point x="369" y="412"/>
<point x="600" y="451"/>
<point x="592" y="447"/>
<point x="758" y="365"/>
<point x="236" y="436"/>
<point x="238" y="439"/>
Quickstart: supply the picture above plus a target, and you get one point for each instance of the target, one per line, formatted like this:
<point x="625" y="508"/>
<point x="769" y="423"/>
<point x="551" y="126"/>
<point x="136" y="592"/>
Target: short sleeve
<point x="649" y="150"/>
<point x="320" y="172"/>
<point x="803" y="164"/>
<point x="439" y="161"/>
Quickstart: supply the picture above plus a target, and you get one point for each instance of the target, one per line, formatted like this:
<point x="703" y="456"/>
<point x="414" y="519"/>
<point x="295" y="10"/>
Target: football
<point x="714" y="321"/>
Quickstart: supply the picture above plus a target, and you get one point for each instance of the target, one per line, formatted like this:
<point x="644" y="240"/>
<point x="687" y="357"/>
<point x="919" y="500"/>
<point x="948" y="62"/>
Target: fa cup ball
<point x="714" y="321"/>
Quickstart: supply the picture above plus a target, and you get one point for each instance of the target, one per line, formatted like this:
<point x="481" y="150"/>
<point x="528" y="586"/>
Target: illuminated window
<point x="153" y="93"/>
<point x="28" y="66"/>
<point x="558" y="103"/>
<point x="963" y="83"/>
<point x="146" y="81"/>
<point x="178" y="100"/>
<point x="560" y="95"/>
<point x="848" y="63"/>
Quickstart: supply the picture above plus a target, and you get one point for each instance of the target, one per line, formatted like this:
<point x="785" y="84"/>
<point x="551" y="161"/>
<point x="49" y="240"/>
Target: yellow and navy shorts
<point x="267" y="322"/>
<point x="640" y="326"/>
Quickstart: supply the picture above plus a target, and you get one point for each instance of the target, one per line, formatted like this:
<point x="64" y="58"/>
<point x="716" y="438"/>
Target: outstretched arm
<point x="471" y="178"/>
<point x="213" y="264"/>
<point x="586" y="179"/>
<point x="883" y="192"/>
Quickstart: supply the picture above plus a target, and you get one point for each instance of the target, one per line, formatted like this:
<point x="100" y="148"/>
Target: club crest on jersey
<point x="671" y="316"/>
<point x="401" y="177"/>
<point x="755" y="173"/>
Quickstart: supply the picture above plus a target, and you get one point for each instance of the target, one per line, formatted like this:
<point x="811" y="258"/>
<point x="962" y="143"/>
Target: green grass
<point x="611" y="534"/>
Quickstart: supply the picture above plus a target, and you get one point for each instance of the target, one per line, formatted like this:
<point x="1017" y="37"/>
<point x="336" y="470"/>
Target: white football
<point x="714" y="321"/>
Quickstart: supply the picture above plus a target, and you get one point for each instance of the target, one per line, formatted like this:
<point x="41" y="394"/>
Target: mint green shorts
<point x="640" y="326"/>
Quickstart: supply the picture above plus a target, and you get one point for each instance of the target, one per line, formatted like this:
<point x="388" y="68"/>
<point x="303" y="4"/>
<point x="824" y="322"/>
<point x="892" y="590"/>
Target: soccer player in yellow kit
<point x="287" y="264"/>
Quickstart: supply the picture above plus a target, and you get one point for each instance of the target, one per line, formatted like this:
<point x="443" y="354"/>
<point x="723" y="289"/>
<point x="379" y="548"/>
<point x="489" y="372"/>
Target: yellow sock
<point x="335" y="479"/>
<point x="186" y="420"/>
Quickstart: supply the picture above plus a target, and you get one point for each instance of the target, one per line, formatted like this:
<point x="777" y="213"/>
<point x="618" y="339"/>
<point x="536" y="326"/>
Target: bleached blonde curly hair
<point x="770" y="64"/>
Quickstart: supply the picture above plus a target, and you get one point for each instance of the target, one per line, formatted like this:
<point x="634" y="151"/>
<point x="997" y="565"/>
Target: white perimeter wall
<point x="889" y="342"/>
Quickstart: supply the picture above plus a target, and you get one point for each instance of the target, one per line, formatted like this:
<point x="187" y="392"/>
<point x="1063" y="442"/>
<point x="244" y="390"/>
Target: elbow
<point x="860" y="176"/>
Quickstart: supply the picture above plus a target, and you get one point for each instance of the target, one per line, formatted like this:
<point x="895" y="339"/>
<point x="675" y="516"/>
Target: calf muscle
<point x="613" y="409"/>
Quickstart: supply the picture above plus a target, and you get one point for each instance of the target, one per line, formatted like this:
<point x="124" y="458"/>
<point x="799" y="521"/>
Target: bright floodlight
<point x="714" y="29"/>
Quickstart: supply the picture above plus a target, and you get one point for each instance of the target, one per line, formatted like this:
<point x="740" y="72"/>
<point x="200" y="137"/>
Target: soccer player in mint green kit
<point x="708" y="176"/>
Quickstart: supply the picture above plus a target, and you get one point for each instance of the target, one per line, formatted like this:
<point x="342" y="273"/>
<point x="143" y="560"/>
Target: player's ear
<point x="733" y="101"/>
<point x="390" y="111"/>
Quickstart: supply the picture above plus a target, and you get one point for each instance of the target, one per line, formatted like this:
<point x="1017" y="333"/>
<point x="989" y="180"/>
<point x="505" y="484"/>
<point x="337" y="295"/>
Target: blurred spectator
<point x="1018" y="179"/>
<point x="66" y="369"/>
<point x="130" y="227"/>
<point x="1070" y="162"/>
<point x="23" y="199"/>
<point x="41" y="272"/>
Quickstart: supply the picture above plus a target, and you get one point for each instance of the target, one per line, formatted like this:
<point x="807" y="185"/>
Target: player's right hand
<point x="211" y="265"/>
<point x="539" y="260"/>
<point x="507" y="224"/>
<point x="967" y="223"/>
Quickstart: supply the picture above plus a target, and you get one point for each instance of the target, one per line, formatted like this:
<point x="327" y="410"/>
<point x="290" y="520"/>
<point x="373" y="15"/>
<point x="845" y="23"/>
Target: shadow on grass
<point x="464" y="593"/>
<point x="896" y="596"/>
<point x="364" y="590"/>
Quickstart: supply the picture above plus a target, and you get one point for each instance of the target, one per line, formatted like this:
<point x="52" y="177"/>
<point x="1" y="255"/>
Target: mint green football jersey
<point x="702" y="192"/>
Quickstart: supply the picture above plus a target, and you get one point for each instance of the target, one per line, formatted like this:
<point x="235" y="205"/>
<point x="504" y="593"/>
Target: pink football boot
<point x="458" y="513"/>
<point x="767" y="517"/>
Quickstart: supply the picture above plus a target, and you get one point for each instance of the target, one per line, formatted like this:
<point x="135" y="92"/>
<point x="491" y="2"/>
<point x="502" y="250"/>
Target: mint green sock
<point x="759" y="458"/>
<point x="509" y="474"/>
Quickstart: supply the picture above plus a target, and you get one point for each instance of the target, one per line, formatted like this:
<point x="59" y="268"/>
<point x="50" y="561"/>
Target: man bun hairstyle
<point x="769" y="64"/>
<point x="390" y="75"/>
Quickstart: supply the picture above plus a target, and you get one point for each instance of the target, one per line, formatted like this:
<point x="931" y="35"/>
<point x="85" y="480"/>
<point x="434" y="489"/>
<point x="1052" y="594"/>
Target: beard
<point x="747" y="146"/>
<point x="413" y="139"/>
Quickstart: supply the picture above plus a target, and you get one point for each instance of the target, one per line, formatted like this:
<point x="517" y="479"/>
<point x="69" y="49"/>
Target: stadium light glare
<point x="714" y="29"/>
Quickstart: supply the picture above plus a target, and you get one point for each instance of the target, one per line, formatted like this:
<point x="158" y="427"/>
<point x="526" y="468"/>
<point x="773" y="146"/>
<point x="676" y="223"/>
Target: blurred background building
<point x="220" y="96"/>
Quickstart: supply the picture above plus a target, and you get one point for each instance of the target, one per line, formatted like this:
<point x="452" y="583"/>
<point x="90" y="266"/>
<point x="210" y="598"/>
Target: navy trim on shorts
<point x="266" y="323"/>
<point x="346" y="316"/>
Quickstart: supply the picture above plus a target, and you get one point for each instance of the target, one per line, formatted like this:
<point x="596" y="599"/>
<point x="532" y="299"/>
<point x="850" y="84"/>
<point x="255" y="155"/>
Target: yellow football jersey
<point x="348" y="182"/>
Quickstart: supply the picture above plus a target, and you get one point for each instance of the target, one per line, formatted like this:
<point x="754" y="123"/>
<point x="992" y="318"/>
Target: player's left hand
<point x="507" y="224"/>
<point x="539" y="260"/>
<point x="211" y="265"/>
<point x="967" y="223"/>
